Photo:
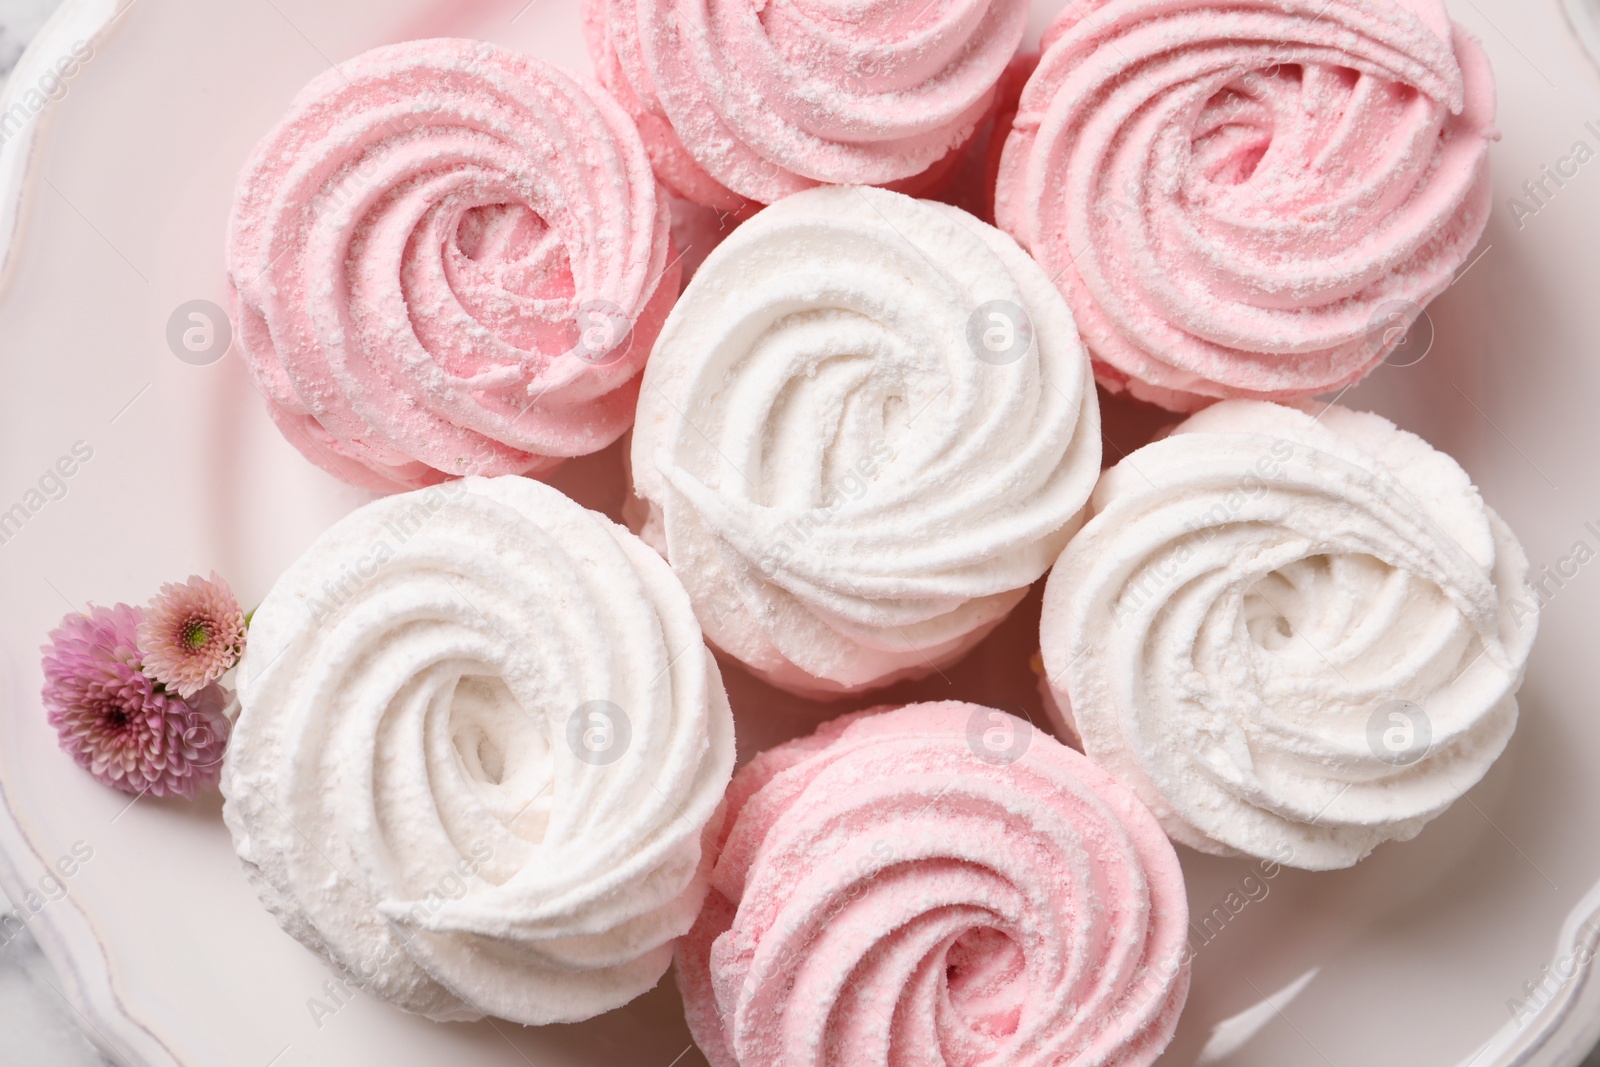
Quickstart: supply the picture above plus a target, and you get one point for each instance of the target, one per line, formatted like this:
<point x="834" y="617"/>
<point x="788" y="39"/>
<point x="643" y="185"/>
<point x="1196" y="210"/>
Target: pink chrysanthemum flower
<point x="192" y="634"/>
<point x="118" y="723"/>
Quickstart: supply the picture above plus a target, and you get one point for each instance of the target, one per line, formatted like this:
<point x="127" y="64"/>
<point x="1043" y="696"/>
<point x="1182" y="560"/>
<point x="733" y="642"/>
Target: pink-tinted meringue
<point x="891" y="890"/>
<point x="1240" y="198"/>
<point x="744" y="102"/>
<point x="449" y="259"/>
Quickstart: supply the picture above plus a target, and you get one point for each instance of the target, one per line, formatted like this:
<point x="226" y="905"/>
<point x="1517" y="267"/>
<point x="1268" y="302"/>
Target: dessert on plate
<point x="481" y="758"/>
<point x="1252" y="198"/>
<point x="894" y="890"/>
<point x="480" y="740"/>
<point x="866" y="428"/>
<point x="1290" y="635"/>
<point x="449" y="259"/>
<point x="742" y="104"/>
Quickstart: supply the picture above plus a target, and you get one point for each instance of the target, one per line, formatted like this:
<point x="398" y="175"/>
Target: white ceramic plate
<point x="117" y="191"/>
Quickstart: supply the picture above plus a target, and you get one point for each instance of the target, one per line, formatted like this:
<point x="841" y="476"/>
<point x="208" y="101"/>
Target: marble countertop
<point x="37" y="1025"/>
<point x="19" y="21"/>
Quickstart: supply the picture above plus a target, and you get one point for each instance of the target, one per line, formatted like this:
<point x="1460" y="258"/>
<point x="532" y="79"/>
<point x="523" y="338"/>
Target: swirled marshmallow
<point x="1249" y="198"/>
<point x="890" y="892"/>
<point x="479" y="743"/>
<point x="449" y="259"/>
<point x="742" y="102"/>
<point x="866" y="428"/>
<point x="1291" y="636"/>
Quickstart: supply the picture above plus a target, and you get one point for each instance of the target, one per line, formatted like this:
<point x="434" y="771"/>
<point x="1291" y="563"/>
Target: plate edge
<point x="73" y="21"/>
<point x="64" y="933"/>
<point x="1567" y="1024"/>
<point x="67" y="937"/>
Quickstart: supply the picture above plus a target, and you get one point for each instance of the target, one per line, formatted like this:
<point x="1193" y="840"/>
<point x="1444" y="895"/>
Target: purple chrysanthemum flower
<point x="192" y="634"/>
<point x="118" y="723"/>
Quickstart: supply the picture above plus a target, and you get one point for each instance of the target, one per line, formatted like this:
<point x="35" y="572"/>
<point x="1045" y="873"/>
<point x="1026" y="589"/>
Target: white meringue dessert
<point x="866" y="428"/>
<point x="1294" y="637"/>
<point x="480" y="739"/>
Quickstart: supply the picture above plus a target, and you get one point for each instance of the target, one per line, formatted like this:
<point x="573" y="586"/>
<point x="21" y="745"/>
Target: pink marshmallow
<point x="895" y="889"/>
<point x="449" y="259"/>
<point x="1243" y="198"/>
<point x="744" y="103"/>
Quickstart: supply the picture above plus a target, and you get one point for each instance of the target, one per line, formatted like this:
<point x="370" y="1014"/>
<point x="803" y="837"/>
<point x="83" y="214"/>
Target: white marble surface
<point x="19" y="21"/>
<point x="37" y="1025"/>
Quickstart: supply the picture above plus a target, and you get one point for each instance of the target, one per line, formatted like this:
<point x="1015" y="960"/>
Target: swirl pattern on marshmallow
<point x="1290" y="635"/>
<point x="1245" y="198"/>
<point x="449" y="259"/>
<point x="480" y="742"/>
<point x="742" y="102"/>
<point x="883" y="896"/>
<point x="856" y="464"/>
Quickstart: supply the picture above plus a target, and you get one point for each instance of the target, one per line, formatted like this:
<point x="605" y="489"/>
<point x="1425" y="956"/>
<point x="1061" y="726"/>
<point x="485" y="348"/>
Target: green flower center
<point x="195" y="635"/>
